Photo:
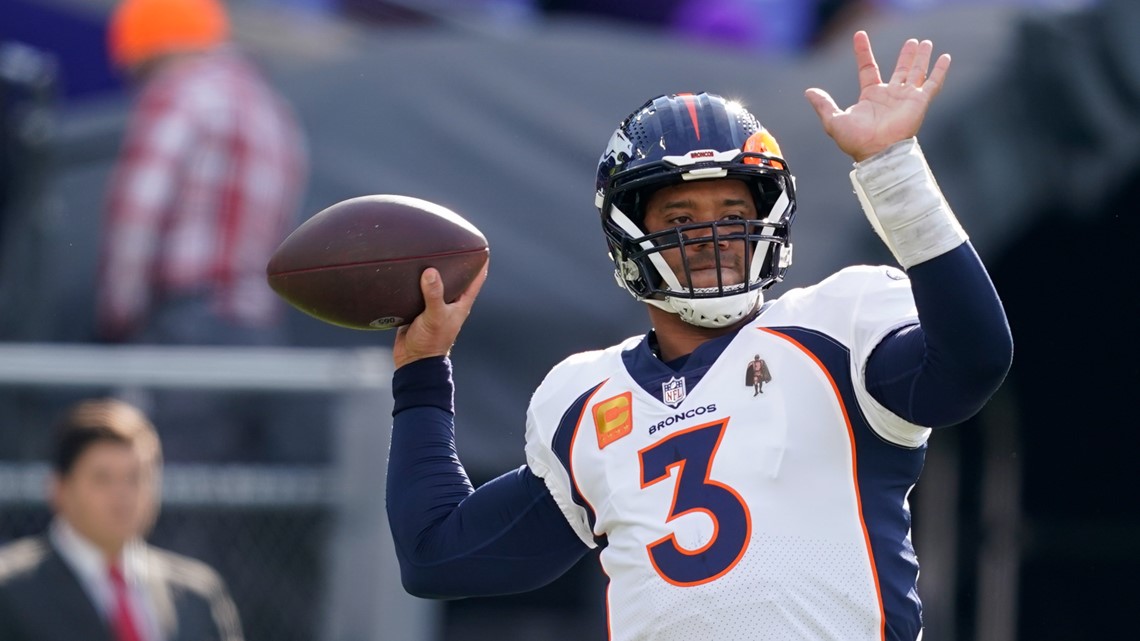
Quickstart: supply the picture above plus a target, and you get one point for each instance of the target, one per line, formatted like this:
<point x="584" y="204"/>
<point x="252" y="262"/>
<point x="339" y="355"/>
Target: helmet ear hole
<point x="638" y="202"/>
<point x="766" y="193"/>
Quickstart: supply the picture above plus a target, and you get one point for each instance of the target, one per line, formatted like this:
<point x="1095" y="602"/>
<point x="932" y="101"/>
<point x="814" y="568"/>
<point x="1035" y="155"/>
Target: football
<point x="357" y="264"/>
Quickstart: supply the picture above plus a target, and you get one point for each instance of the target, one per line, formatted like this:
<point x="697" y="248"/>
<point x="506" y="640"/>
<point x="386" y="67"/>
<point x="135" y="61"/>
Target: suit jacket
<point x="41" y="599"/>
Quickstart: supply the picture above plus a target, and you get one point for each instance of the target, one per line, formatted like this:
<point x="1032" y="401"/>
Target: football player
<point x="723" y="513"/>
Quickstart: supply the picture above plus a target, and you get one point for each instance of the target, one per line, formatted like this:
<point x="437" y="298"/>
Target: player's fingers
<point x="432" y="288"/>
<point x="865" y="61"/>
<point x="906" y="58"/>
<point x="934" y="83"/>
<point x="402" y="333"/>
<point x="917" y="74"/>
<point x="468" y="296"/>
<point x="823" y="104"/>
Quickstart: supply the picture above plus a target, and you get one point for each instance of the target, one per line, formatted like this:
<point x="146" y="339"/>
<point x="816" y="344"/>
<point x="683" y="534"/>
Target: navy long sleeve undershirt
<point x="509" y="535"/>
<point x="453" y="541"/>
<point x="943" y="370"/>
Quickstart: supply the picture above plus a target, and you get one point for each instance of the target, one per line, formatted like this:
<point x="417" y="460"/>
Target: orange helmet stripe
<point x="691" y="103"/>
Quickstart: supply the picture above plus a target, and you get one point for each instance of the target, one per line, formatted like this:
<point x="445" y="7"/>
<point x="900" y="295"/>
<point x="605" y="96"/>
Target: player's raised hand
<point x="886" y="112"/>
<point x="433" y="332"/>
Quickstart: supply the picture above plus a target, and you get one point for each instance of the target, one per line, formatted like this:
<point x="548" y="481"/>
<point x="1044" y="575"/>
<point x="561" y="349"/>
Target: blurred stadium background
<point x="499" y="109"/>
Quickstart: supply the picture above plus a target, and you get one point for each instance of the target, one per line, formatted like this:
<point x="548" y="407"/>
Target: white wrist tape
<point x="904" y="204"/>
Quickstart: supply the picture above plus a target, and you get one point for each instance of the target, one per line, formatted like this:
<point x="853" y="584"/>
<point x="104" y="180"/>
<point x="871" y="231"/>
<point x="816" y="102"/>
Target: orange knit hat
<point x="142" y="29"/>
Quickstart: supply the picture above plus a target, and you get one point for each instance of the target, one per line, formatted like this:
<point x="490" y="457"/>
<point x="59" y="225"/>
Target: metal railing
<point x="363" y="598"/>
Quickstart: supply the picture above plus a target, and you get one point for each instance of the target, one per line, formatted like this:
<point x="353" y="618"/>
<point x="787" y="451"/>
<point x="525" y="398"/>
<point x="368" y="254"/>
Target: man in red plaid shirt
<point x="206" y="186"/>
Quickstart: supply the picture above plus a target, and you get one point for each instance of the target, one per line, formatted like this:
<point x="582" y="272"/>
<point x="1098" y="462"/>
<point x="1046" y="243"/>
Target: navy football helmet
<point x="684" y="137"/>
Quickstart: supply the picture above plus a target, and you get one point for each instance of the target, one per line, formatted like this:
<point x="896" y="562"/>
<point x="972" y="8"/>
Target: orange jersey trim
<point x="854" y="471"/>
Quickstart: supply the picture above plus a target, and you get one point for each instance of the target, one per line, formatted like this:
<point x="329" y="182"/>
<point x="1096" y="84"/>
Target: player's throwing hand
<point x="434" y="331"/>
<point x="886" y="112"/>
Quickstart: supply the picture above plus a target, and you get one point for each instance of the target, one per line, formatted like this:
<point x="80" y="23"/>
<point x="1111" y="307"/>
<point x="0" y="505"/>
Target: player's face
<point x="109" y="494"/>
<point x="703" y="201"/>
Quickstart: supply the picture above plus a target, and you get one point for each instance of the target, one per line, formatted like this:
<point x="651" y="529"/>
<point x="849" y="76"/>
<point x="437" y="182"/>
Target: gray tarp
<point x="506" y="128"/>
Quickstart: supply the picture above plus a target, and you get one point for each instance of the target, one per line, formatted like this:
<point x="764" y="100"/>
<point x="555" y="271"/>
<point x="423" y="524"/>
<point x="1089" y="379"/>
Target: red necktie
<point x="122" y="620"/>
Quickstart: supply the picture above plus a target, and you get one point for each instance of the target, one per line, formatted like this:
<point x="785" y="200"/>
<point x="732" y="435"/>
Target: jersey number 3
<point x="689" y="454"/>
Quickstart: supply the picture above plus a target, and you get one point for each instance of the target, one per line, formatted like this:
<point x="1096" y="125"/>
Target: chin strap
<point x="712" y="312"/>
<point x="702" y="312"/>
<point x="906" y="208"/>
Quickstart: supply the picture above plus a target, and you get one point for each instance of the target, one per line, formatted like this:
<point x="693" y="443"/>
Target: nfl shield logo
<point x="673" y="391"/>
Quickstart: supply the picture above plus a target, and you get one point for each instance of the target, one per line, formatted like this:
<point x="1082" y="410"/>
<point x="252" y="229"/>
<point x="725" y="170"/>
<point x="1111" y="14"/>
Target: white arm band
<point x="904" y="204"/>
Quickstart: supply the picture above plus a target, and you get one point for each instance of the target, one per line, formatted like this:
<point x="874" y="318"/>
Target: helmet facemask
<point x="640" y="264"/>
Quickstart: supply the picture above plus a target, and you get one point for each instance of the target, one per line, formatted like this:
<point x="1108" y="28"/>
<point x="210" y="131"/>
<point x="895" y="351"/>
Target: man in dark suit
<point x="91" y="577"/>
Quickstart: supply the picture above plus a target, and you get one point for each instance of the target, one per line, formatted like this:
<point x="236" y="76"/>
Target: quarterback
<point x="744" y="465"/>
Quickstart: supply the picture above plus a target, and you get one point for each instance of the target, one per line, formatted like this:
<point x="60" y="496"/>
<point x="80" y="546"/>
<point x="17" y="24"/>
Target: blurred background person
<point x="92" y="576"/>
<point x="208" y="182"/>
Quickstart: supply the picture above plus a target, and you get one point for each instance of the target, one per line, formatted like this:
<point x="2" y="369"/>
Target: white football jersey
<point x="760" y="492"/>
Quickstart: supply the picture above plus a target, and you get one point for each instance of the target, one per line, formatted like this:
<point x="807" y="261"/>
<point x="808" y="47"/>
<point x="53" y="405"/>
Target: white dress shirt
<point x="88" y="563"/>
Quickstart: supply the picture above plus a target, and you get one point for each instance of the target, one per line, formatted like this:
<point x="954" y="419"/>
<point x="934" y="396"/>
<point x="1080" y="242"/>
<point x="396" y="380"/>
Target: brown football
<point x="357" y="264"/>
